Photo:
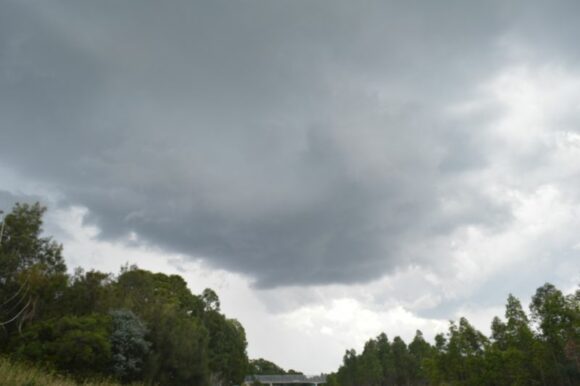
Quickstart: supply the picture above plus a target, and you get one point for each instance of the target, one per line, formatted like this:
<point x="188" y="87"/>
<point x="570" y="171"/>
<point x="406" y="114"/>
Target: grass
<point x="17" y="374"/>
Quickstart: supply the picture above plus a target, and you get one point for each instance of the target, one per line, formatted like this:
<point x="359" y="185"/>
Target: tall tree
<point x="179" y="354"/>
<point x="402" y="360"/>
<point x="420" y="352"/>
<point x="558" y="322"/>
<point x="32" y="269"/>
<point x="387" y="361"/>
<point x="370" y="368"/>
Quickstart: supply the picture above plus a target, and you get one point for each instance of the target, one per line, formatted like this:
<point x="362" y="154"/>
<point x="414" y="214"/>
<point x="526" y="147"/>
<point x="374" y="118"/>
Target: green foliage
<point x="179" y="338"/>
<point x="163" y="334"/>
<point x="180" y="348"/>
<point x="263" y="367"/>
<point x="32" y="270"/>
<point x="420" y="352"/>
<point x="128" y="345"/>
<point x="88" y="292"/>
<point x="558" y="318"/>
<point x="227" y="348"/>
<point x="515" y="354"/>
<point x="19" y="374"/>
<point x="138" y="326"/>
<point x="210" y="300"/>
<point x="76" y="345"/>
<point x="332" y="380"/>
<point x="22" y="247"/>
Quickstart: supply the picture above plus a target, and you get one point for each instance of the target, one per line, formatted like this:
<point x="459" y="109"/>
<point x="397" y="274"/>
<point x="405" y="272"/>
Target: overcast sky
<point x="332" y="168"/>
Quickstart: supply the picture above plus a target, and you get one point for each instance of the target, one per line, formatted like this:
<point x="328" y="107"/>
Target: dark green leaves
<point x="516" y="354"/>
<point x="138" y="326"/>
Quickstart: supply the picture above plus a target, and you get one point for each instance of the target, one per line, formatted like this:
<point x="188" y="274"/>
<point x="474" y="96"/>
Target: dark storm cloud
<point x="293" y="141"/>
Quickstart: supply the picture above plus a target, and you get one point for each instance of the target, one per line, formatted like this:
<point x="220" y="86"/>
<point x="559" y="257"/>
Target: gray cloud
<point x="8" y="200"/>
<point x="295" y="142"/>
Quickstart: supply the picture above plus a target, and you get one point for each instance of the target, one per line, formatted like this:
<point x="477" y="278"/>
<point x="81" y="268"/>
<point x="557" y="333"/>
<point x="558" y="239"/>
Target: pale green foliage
<point x="128" y="345"/>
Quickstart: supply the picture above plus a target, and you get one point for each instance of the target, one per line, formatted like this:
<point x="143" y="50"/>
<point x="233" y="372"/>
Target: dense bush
<point x="76" y="345"/>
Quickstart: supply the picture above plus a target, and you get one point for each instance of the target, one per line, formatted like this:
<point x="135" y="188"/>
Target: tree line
<point x="140" y="326"/>
<point x="136" y="326"/>
<point x="543" y="349"/>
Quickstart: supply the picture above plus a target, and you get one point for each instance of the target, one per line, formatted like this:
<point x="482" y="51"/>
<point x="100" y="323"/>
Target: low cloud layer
<point x="297" y="142"/>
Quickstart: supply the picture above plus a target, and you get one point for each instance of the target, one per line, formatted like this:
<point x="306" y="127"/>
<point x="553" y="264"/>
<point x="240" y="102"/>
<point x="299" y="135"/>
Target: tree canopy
<point x="541" y="351"/>
<point x="143" y="326"/>
<point x="135" y="326"/>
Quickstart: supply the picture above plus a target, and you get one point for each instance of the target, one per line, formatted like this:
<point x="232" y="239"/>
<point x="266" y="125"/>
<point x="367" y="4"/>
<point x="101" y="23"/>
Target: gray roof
<point x="286" y="378"/>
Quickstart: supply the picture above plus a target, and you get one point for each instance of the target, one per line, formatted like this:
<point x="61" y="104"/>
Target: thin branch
<point x="17" y="315"/>
<point x="16" y="294"/>
<point x="29" y="315"/>
<point x="15" y="305"/>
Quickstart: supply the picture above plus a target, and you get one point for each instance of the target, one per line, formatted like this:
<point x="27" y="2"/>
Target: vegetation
<point x="148" y="328"/>
<point x="135" y="326"/>
<point x="542" y="351"/>
<point x="264" y="367"/>
<point x="18" y="374"/>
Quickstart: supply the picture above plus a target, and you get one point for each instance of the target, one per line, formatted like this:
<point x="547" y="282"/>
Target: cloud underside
<point x="295" y="142"/>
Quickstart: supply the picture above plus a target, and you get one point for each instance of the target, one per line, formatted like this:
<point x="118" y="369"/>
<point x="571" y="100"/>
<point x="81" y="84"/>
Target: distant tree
<point x="558" y="320"/>
<point x="514" y="355"/>
<point x="572" y="346"/>
<point x="420" y="352"/>
<point x="370" y="369"/>
<point x="386" y="359"/>
<point x="402" y="360"/>
<point x="499" y="333"/>
<point x="262" y="366"/>
<point x="349" y="372"/>
<point x="437" y="366"/>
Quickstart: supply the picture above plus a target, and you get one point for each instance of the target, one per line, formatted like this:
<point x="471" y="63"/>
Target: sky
<point x="333" y="169"/>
